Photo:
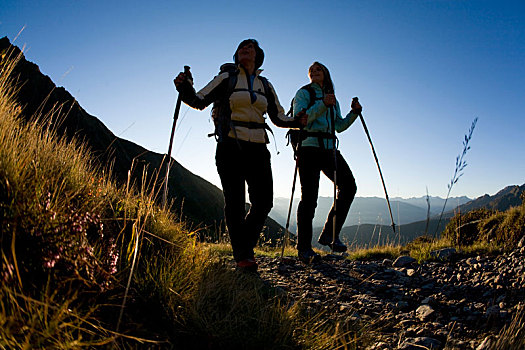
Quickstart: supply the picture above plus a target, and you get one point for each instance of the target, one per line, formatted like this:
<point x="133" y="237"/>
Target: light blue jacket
<point x="319" y="118"/>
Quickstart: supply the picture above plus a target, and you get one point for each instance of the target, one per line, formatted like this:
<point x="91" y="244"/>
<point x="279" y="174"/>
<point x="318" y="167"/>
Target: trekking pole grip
<point x="189" y="77"/>
<point x="187" y="73"/>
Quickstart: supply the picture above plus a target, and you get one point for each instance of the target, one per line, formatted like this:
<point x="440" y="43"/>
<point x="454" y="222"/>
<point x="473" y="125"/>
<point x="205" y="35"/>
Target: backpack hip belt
<point x="250" y="125"/>
<point x="294" y="135"/>
<point x="321" y="136"/>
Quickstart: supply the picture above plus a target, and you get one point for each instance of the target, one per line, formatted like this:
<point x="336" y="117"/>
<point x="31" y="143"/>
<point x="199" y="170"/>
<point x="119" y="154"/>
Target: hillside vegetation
<point x="86" y="263"/>
<point x="38" y="94"/>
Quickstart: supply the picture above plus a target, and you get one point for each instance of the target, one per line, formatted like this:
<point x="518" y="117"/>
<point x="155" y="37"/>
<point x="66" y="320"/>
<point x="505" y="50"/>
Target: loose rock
<point x="404" y="261"/>
<point x="458" y="304"/>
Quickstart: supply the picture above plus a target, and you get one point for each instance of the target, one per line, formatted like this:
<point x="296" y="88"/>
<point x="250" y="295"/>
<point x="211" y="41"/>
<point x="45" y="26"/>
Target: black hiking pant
<point x="240" y="162"/>
<point x="313" y="160"/>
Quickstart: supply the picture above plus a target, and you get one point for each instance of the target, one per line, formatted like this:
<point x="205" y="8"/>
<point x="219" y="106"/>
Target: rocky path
<point x="459" y="303"/>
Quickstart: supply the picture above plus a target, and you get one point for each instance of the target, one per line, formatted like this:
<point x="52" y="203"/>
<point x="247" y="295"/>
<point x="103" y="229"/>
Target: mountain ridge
<point x="367" y="210"/>
<point x="38" y="95"/>
<point x="363" y="235"/>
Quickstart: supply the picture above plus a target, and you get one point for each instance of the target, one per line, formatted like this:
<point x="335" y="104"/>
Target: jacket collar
<point x="258" y="71"/>
<point x="316" y="86"/>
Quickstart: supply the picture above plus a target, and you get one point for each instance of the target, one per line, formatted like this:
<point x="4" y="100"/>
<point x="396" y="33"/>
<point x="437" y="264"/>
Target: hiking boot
<point x="336" y="246"/>
<point x="248" y="265"/>
<point x="309" y="256"/>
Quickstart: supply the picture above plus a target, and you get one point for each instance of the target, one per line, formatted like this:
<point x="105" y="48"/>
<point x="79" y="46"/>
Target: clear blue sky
<point x="422" y="69"/>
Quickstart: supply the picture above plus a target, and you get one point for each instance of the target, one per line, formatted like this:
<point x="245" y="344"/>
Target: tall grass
<point x="86" y="263"/>
<point x="52" y="204"/>
<point x="388" y="251"/>
<point x="512" y="337"/>
<point x="48" y="322"/>
<point x="458" y="171"/>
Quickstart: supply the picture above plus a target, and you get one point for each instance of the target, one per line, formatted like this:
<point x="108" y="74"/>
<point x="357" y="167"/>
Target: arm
<point x="355" y="111"/>
<point x="301" y="101"/>
<point x="206" y="96"/>
<point x="276" y="112"/>
<point x="343" y="124"/>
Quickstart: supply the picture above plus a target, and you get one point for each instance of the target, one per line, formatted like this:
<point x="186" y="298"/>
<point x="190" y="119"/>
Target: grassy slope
<point x="86" y="263"/>
<point x="38" y="94"/>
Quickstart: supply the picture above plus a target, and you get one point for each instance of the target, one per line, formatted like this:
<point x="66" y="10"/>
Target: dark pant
<point x="237" y="163"/>
<point x="313" y="160"/>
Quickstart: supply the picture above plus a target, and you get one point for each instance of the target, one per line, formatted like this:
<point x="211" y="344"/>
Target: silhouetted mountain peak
<point x="201" y="202"/>
<point x="502" y="200"/>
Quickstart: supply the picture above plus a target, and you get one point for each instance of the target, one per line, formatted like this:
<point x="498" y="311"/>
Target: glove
<point x="302" y="118"/>
<point x="184" y="80"/>
<point x="356" y="106"/>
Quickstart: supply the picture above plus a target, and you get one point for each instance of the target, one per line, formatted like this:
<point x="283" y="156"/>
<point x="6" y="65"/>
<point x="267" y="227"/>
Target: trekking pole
<point x="355" y="99"/>
<point x="175" y="117"/>
<point x="332" y="118"/>
<point x="286" y="230"/>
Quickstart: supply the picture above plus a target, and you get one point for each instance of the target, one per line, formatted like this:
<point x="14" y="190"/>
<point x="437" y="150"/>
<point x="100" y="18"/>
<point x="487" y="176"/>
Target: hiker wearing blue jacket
<point x="316" y="154"/>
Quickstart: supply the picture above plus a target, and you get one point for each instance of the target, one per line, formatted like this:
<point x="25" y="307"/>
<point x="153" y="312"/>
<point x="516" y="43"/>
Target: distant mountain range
<point x="370" y="210"/>
<point x="373" y="234"/>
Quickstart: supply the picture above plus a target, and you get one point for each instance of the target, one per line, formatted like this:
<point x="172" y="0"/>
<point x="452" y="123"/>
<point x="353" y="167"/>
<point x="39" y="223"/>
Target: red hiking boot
<point x="249" y="265"/>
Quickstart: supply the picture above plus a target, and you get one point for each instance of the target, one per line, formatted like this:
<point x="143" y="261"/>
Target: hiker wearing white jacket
<point x="241" y="98"/>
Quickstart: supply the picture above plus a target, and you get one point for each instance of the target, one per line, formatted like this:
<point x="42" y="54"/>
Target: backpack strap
<point x="232" y="81"/>
<point x="312" y="98"/>
<point x="222" y="108"/>
<point x="266" y="87"/>
<point x="270" y="98"/>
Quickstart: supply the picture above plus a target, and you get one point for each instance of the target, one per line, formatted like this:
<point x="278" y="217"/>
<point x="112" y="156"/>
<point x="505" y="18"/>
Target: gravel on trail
<point x="454" y="303"/>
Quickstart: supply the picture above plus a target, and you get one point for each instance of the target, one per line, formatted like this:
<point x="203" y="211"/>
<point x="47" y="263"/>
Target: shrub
<point x="505" y="228"/>
<point x="489" y="228"/>
<point x="482" y="225"/>
<point x="463" y="228"/>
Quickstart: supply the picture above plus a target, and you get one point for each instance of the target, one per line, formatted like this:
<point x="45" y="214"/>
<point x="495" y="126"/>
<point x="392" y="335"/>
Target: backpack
<point x="221" y="112"/>
<point x="295" y="136"/>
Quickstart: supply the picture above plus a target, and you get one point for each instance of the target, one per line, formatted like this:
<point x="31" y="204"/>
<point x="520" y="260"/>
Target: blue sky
<point x="422" y="69"/>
